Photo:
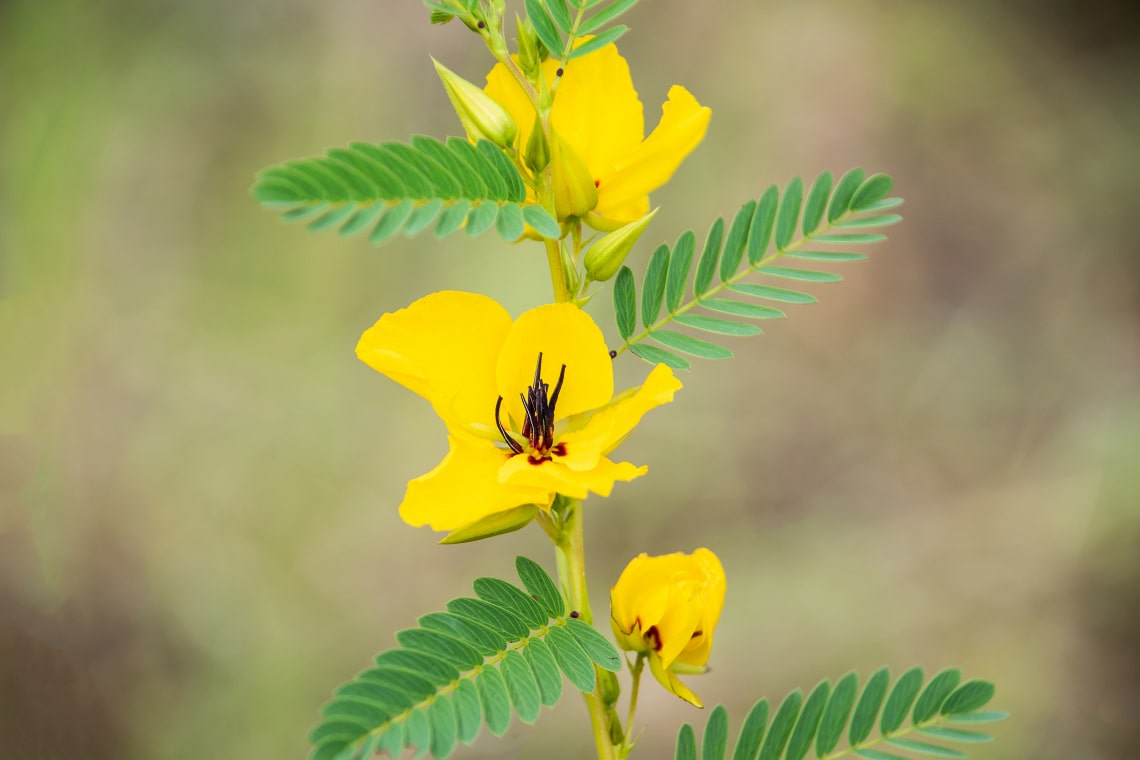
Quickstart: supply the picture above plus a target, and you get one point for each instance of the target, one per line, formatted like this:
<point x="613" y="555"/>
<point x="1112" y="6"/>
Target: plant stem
<point x="571" y="553"/>
<point x="635" y="673"/>
<point x="557" y="276"/>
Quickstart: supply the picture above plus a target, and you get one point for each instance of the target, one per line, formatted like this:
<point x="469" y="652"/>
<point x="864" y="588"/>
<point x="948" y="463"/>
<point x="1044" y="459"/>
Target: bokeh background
<point x="937" y="464"/>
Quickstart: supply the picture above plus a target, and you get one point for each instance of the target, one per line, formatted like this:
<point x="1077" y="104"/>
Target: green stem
<point x="635" y="673"/>
<point x="571" y="553"/>
<point x="557" y="275"/>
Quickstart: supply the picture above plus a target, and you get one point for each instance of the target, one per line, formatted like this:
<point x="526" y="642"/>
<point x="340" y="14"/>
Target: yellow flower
<point x="528" y="404"/>
<point x="667" y="607"/>
<point x="597" y="112"/>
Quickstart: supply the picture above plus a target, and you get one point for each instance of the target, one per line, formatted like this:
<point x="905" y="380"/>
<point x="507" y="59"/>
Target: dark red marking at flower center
<point x="597" y="183"/>
<point x="538" y="426"/>
<point x="654" y="638"/>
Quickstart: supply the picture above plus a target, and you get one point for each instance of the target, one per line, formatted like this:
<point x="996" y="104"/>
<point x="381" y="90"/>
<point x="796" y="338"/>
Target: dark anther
<point x="574" y="614"/>
<point x="613" y="354"/>
<point x="559" y="73"/>
<point x="515" y="447"/>
<point x="538" y="414"/>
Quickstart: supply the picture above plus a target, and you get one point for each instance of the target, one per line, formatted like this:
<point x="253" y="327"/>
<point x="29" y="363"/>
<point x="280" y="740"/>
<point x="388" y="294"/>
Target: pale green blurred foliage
<point x="937" y="464"/>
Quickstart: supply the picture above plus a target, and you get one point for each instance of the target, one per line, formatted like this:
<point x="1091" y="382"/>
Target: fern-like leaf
<point x="762" y="238"/>
<point x="561" y="24"/>
<point x="913" y="720"/>
<point x="393" y="188"/>
<point x="503" y="651"/>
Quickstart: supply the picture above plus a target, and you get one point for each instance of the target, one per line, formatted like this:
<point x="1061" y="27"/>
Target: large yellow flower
<point x="597" y="111"/>
<point x="528" y="404"/>
<point x="667" y="608"/>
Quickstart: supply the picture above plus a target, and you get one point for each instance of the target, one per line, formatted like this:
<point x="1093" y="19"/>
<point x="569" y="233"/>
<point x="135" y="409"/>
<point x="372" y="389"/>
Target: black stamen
<point x="515" y="447"/>
<point x="531" y="423"/>
<point x="557" y="390"/>
<point x="538" y="405"/>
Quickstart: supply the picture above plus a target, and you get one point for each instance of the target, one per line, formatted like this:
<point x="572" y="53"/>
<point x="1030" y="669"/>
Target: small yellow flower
<point x="667" y="607"/>
<point x="529" y="404"/>
<point x="597" y="111"/>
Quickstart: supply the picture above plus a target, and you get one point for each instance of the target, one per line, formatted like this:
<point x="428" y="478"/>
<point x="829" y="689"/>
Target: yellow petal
<point x="465" y="488"/>
<point x="548" y="474"/>
<point x="443" y="347"/>
<point x="711" y="602"/>
<point x="596" y="109"/>
<point x="623" y="192"/>
<point x="680" y="621"/>
<point x="628" y="634"/>
<point x="670" y="681"/>
<point x="564" y="335"/>
<point x="606" y="429"/>
<point x="639" y="597"/>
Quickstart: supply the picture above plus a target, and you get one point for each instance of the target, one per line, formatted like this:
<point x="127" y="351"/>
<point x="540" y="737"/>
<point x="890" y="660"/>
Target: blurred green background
<point x="937" y="464"/>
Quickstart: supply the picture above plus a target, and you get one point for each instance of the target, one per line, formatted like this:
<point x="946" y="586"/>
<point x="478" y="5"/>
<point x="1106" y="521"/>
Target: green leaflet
<point x="900" y="700"/>
<point x="836" y="714"/>
<point x="715" y="741"/>
<point x="811" y="728"/>
<point x="781" y="729"/>
<point x="406" y="188"/>
<point x="598" y="42"/>
<point x="752" y="732"/>
<point x="476" y="664"/>
<point x="554" y="18"/>
<point x="935" y="694"/>
<point x="763" y="231"/>
<point x="868" y="706"/>
<point x="808" y="723"/>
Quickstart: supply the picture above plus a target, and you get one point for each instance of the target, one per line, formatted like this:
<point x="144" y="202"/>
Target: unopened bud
<point x="605" y="256"/>
<point x="575" y="193"/>
<point x="610" y="688"/>
<point x="537" y="155"/>
<point x="570" y="272"/>
<point x="480" y="114"/>
<point x="529" y="59"/>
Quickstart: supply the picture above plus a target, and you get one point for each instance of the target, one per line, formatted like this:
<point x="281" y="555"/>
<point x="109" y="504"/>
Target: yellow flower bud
<point x="480" y="114"/>
<point x="605" y="256"/>
<point x="575" y="193"/>
<point x="667" y="607"/>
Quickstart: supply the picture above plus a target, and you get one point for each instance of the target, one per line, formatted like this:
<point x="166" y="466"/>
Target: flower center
<point x="538" y="406"/>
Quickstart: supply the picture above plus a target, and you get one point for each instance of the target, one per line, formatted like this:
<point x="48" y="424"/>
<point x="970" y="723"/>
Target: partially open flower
<point x="598" y="114"/>
<point x="667" y="608"/>
<point x="529" y="406"/>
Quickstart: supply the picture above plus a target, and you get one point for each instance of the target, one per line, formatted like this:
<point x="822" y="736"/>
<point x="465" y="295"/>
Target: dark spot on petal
<point x="654" y="638"/>
<point x="536" y="461"/>
<point x="559" y="449"/>
<point x="597" y="183"/>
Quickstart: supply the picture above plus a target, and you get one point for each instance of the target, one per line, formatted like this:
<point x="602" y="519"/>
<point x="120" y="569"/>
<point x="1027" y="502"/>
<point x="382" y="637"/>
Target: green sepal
<point x="493" y="525"/>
